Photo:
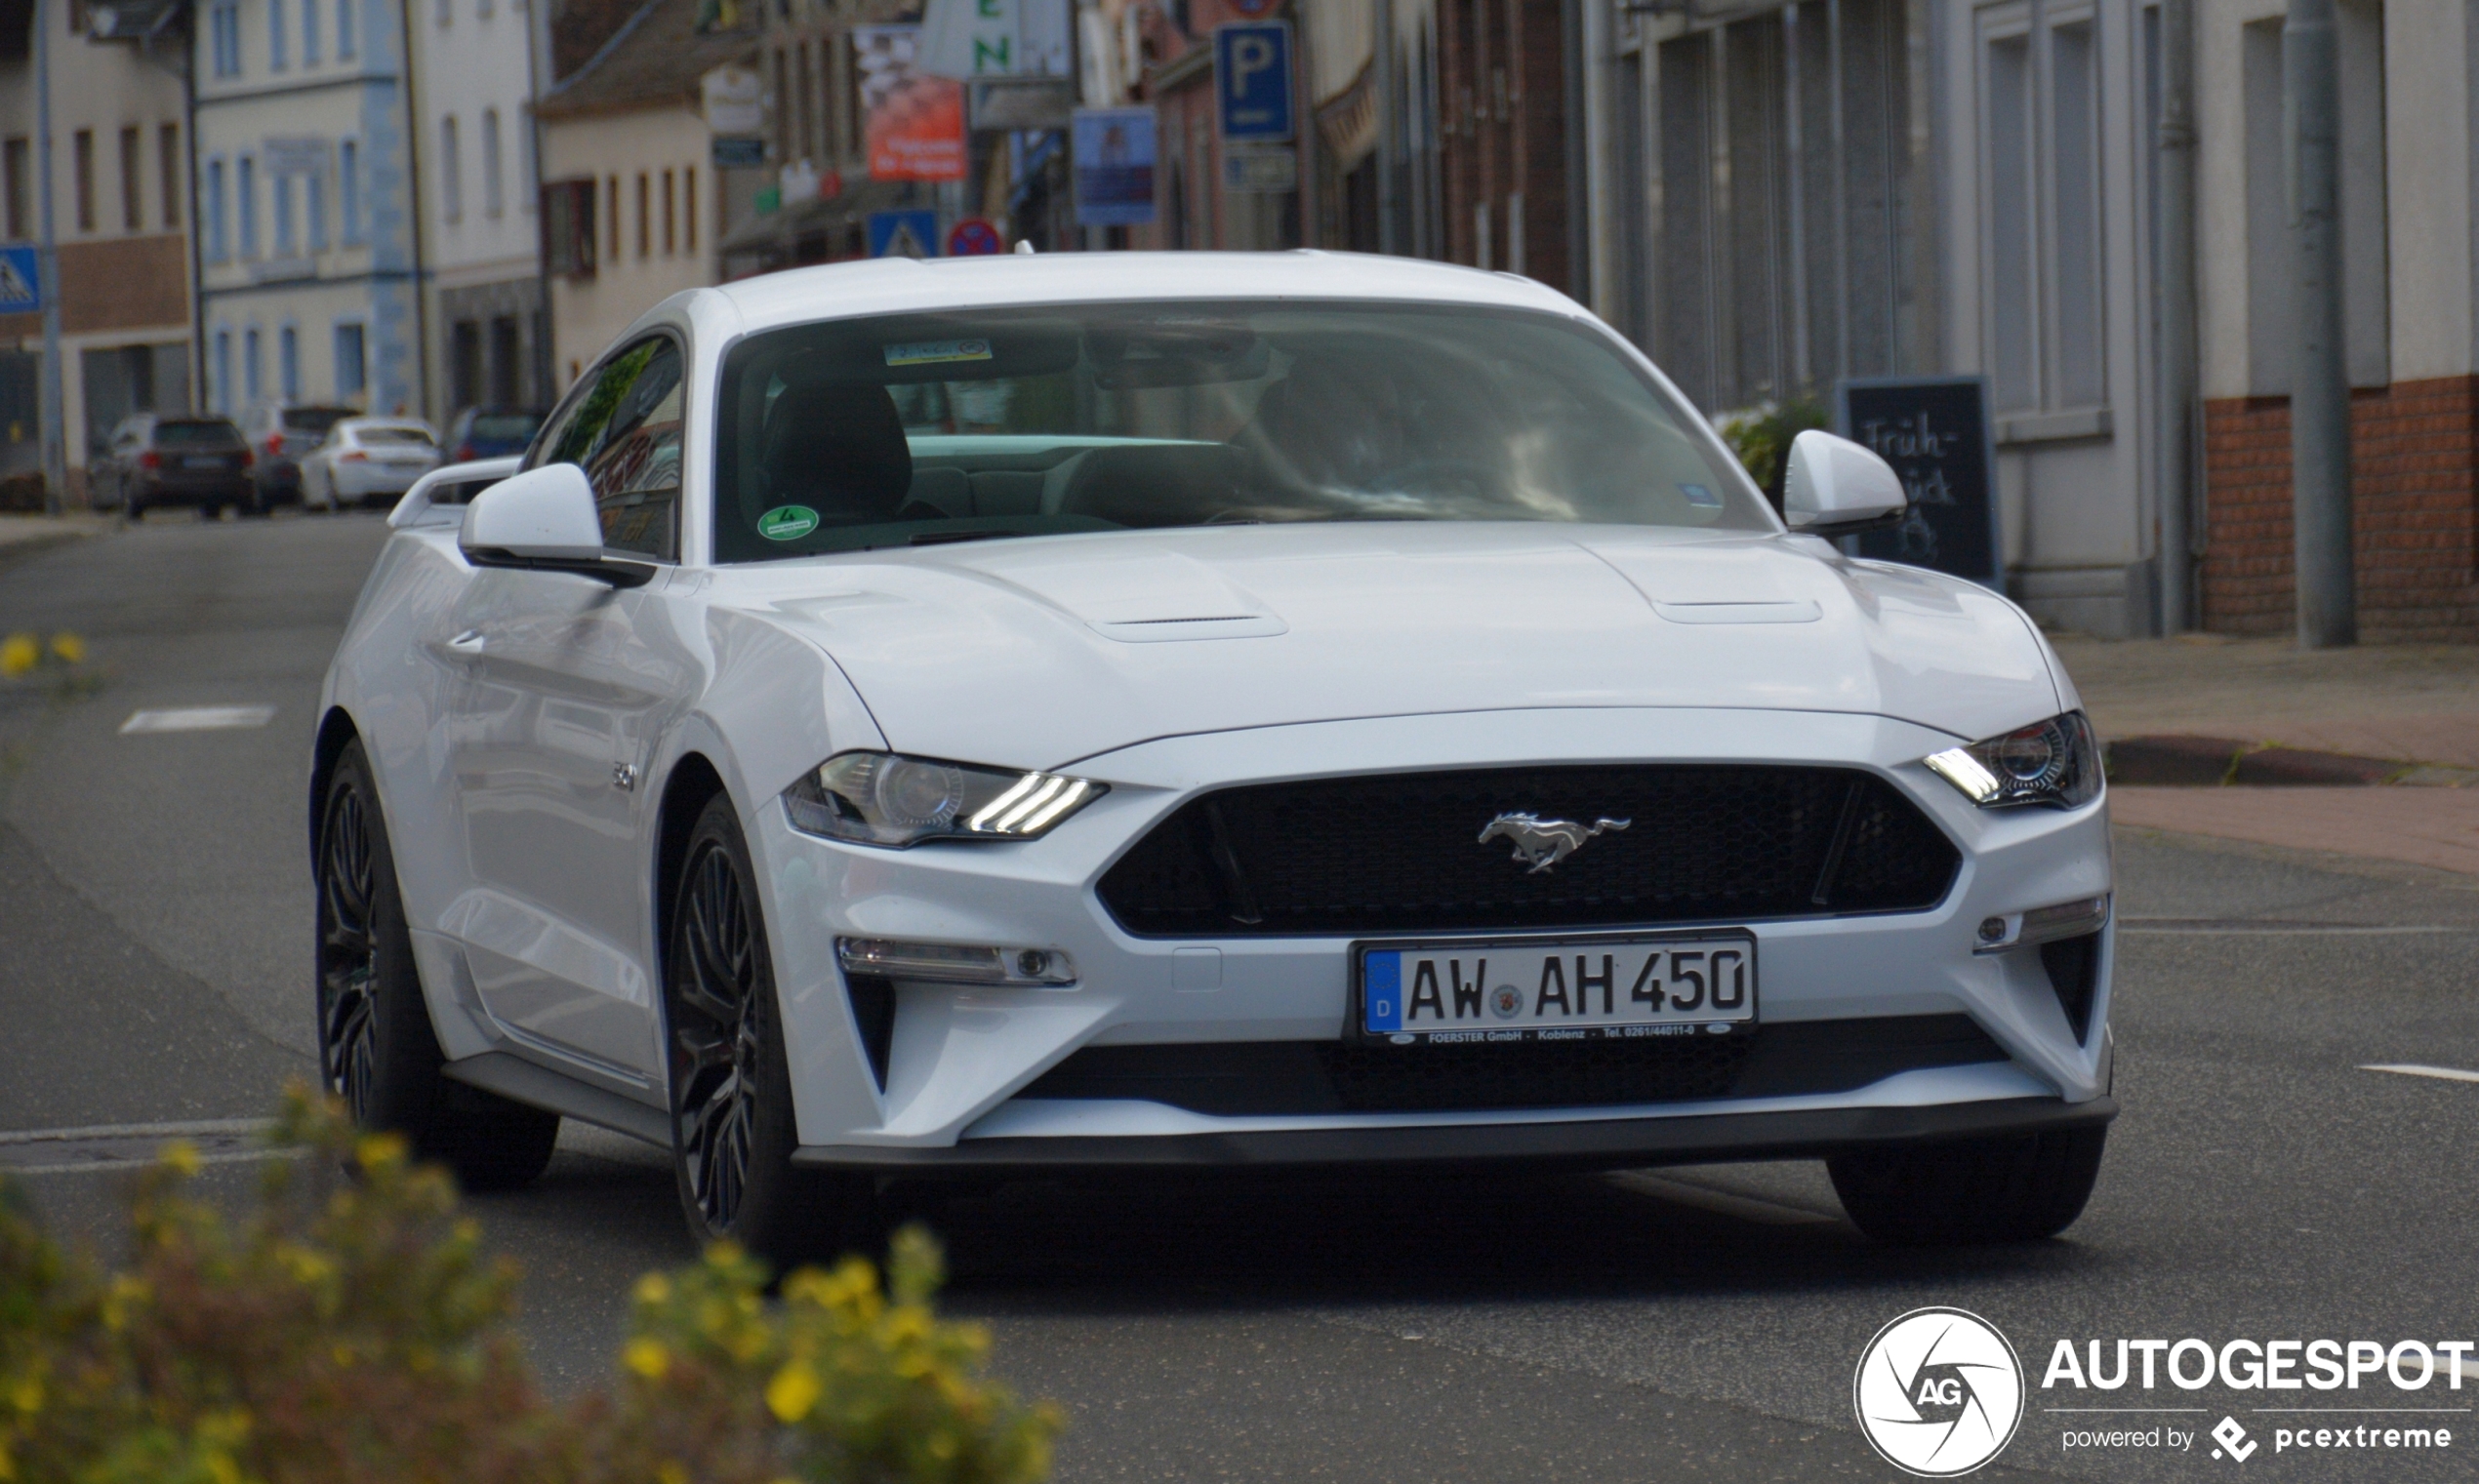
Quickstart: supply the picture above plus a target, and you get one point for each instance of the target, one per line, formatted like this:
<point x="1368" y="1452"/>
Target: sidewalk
<point x="2402" y="703"/>
<point x="20" y="533"/>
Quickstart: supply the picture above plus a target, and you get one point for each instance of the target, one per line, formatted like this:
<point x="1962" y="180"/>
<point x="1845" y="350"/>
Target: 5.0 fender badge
<point x="787" y="523"/>
<point x="1542" y="843"/>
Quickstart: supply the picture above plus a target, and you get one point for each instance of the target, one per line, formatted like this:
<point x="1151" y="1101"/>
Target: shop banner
<point x="915" y="121"/>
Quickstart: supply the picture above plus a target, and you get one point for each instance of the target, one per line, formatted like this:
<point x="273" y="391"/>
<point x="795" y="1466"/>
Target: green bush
<point x="1761" y="437"/>
<point x="353" y="1329"/>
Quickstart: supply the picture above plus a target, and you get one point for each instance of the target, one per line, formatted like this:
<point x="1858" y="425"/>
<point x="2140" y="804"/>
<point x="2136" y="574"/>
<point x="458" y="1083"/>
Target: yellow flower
<point x="17" y="655"/>
<point x="28" y="1394"/>
<point x="68" y="648"/>
<point x="669" y="1472"/>
<point x="647" y="1358"/>
<point x="793" y="1392"/>
<point x="181" y="1156"/>
<point x="653" y="1288"/>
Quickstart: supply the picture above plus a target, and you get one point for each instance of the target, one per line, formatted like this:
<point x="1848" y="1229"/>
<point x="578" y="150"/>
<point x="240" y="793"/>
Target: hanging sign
<point x="916" y="125"/>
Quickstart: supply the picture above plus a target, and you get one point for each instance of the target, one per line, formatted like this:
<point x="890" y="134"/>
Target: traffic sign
<point x="21" y="280"/>
<point x="973" y="237"/>
<point x="904" y="234"/>
<point x="1252" y="81"/>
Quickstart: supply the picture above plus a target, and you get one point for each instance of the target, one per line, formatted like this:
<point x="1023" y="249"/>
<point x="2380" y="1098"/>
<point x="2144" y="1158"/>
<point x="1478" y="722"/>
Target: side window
<point x="626" y="434"/>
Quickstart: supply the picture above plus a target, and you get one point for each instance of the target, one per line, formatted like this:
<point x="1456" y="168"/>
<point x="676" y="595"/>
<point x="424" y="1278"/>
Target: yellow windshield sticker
<point x="932" y="353"/>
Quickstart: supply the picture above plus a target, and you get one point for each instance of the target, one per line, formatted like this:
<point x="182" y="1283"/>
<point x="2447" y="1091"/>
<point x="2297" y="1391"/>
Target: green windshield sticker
<point x="787" y="523"/>
<point x="931" y="352"/>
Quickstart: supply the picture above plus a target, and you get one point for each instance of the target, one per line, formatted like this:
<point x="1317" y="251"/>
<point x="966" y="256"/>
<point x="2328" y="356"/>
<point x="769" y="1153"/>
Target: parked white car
<point x="363" y="458"/>
<point x="1197" y="710"/>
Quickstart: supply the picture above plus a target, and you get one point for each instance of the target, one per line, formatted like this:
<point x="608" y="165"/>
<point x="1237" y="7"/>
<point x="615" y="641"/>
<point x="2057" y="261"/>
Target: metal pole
<point x="2174" y="214"/>
<point x="2319" y="381"/>
<point x="53" y="411"/>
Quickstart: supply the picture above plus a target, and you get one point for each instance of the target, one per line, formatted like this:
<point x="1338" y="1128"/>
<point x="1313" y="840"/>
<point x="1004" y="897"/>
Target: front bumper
<point x="957" y="1059"/>
<point x="1607" y="1143"/>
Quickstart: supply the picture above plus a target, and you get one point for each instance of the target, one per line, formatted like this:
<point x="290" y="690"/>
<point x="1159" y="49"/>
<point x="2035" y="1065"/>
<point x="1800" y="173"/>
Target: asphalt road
<point x="1704" y="1324"/>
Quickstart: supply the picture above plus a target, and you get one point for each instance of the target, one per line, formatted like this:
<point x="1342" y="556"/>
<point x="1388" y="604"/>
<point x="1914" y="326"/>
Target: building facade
<point x="632" y="210"/>
<point x="474" y="69"/>
<point x="120" y="212"/>
<point x="311" y="261"/>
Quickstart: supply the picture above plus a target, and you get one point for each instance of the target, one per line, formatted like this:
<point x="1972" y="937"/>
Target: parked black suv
<point x="158" y="460"/>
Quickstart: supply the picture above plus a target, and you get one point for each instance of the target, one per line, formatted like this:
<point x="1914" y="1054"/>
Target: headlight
<point x="879" y="798"/>
<point x="2056" y="762"/>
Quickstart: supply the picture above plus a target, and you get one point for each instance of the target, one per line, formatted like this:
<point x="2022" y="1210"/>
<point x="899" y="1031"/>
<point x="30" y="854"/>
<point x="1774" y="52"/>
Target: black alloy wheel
<point x="733" y="1131"/>
<point x="375" y="1048"/>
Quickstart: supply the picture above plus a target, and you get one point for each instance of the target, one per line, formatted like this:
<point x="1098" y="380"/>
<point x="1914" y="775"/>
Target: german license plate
<point x="1581" y="988"/>
<point x="201" y="464"/>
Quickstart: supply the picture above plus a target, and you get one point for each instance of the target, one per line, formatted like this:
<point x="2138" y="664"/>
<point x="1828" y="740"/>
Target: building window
<point x="85" y="151"/>
<point x="286" y="242"/>
<point x="688" y="209"/>
<point x="351" y="374"/>
<point x="169" y="162"/>
<point x="288" y="360"/>
<point x="314" y="208"/>
<point x="670" y="216"/>
<point x="343" y="27"/>
<point x="2041" y="189"/>
<point x="568" y="227"/>
<point x="645" y="217"/>
<point x="348" y="191"/>
<point x="15" y="156"/>
<point x="275" y="35"/>
<point x="133" y="186"/>
<point x="245" y="205"/>
<point x="223" y="25"/>
<point x="446" y="9"/>
<point x="223" y="371"/>
<point x="493" y="193"/>
<point x="218" y="241"/>
<point x="252" y="383"/>
<point x="451" y="173"/>
<point x="309" y="33"/>
<point x="613" y="256"/>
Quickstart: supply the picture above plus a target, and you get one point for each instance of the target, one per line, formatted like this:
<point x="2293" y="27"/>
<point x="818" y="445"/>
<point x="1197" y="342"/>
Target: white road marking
<point x="189" y="1130"/>
<point x="2414" y="1070"/>
<point x="130" y="1145"/>
<point x="198" y="719"/>
<point x="1720" y="1202"/>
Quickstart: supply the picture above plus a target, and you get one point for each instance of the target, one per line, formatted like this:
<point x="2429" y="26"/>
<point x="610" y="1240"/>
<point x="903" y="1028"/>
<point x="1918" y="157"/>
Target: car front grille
<point x="1400" y="853"/>
<point x="1269" y="1078"/>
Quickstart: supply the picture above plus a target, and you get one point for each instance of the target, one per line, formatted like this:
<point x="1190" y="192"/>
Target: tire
<point x="732" y="1127"/>
<point x="375" y="1049"/>
<point x="1989" y="1190"/>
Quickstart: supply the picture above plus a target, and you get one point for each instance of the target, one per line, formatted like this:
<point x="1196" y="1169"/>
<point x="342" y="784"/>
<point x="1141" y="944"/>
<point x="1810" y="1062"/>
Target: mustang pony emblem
<point x="1542" y="843"/>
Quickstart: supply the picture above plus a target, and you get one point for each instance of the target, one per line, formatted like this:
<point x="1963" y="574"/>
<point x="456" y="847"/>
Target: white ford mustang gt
<point x="1037" y="715"/>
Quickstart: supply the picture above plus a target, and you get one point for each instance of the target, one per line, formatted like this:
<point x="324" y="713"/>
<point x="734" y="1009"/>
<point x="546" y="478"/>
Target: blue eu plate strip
<point x="1382" y="991"/>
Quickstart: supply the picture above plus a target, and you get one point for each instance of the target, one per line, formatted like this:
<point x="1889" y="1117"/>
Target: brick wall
<point x="2415" y="460"/>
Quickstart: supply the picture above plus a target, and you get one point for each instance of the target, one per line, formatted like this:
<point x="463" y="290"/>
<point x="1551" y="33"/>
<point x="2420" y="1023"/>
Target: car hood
<point x="1038" y="653"/>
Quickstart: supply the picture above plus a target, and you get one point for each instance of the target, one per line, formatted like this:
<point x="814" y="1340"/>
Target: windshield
<point x="195" y="434"/>
<point x="504" y="427"/>
<point x="376" y="436"/>
<point x="917" y="429"/>
<point x="314" y="420"/>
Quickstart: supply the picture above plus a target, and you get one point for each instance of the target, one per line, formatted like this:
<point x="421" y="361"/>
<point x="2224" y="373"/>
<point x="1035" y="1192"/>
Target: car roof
<point x="902" y="285"/>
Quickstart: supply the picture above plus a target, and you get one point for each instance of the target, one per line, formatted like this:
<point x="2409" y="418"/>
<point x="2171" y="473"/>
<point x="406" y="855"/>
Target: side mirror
<point x="1835" y="487"/>
<point x="544" y="520"/>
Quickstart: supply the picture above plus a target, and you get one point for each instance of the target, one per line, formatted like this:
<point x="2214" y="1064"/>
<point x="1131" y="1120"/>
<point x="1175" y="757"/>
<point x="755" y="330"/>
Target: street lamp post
<point x="2319" y="379"/>
<point x="55" y="434"/>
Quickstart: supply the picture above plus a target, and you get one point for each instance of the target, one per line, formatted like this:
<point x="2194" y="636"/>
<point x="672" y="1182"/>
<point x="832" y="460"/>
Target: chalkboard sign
<point x="1935" y="430"/>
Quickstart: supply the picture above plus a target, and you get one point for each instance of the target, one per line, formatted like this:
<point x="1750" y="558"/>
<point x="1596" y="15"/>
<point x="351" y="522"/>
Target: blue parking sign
<point x="21" y="280"/>
<point x="1252" y="76"/>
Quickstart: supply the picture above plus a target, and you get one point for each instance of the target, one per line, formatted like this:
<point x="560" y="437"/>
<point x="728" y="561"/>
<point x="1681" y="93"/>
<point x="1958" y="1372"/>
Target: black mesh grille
<point x="1400" y="853"/>
<point x="1235" y="1079"/>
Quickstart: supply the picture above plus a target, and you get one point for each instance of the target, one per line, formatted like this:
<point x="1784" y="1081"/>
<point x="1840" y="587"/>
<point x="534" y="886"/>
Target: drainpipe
<point x="2319" y="380"/>
<point x="2174" y="417"/>
<point x="414" y="215"/>
<point x="53" y="413"/>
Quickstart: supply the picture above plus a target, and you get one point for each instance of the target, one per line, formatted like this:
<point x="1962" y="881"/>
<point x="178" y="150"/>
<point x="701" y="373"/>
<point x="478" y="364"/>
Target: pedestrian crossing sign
<point x="20" y="281"/>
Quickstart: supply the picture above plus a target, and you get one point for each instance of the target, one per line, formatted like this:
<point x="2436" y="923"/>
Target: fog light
<point x="2046" y="924"/>
<point x="955" y="963"/>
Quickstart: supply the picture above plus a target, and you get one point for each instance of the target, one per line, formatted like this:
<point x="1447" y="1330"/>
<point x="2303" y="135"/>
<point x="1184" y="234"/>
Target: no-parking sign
<point x="973" y="237"/>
